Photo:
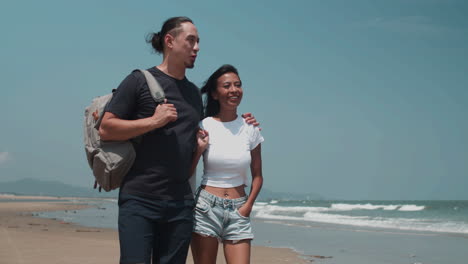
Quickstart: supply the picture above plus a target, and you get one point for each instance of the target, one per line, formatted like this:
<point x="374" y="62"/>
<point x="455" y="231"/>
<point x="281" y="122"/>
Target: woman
<point x="229" y="146"/>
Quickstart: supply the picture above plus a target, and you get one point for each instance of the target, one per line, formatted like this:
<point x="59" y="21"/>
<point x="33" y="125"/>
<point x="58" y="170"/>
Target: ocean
<point x="418" y="216"/>
<point x="340" y="231"/>
<point x="425" y="216"/>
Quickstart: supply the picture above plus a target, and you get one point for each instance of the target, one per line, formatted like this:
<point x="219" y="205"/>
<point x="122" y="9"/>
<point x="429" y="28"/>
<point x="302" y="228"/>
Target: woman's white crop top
<point x="227" y="157"/>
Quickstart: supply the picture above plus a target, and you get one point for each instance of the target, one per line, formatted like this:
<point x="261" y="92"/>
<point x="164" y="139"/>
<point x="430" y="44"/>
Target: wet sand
<point x="28" y="239"/>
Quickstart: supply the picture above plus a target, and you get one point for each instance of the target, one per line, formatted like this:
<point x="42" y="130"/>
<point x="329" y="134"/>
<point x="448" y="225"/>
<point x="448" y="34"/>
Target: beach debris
<point x="44" y="229"/>
<point x="15" y="226"/>
<point x="309" y="258"/>
<point x="87" y="230"/>
<point x="34" y="224"/>
<point x="320" y="257"/>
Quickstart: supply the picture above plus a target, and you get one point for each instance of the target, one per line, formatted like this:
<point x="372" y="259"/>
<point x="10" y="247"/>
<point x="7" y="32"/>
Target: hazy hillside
<point x="51" y="188"/>
<point x="55" y="188"/>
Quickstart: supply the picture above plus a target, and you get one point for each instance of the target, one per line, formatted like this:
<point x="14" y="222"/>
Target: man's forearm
<point x="115" y="129"/>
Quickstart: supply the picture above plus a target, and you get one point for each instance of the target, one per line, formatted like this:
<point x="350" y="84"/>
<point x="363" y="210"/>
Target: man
<point x="155" y="199"/>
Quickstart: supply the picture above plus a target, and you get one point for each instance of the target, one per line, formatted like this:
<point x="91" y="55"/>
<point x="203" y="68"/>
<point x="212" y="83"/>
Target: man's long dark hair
<point x="211" y="106"/>
<point x="171" y="26"/>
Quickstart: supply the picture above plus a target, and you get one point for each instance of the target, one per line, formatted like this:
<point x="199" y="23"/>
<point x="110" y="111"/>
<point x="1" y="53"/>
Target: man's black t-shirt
<point x="164" y="155"/>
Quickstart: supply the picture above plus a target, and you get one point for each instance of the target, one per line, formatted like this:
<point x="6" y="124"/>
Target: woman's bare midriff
<point x="226" y="193"/>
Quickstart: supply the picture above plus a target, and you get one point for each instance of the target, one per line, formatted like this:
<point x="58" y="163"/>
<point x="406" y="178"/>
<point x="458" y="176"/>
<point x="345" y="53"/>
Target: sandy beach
<point x="28" y="239"/>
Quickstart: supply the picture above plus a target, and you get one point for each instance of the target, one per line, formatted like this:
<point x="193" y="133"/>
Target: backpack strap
<point x="156" y="90"/>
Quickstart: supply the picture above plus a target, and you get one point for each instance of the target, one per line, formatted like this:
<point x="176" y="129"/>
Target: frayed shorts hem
<point x="220" y="240"/>
<point x="206" y="234"/>
<point x="237" y="239"/>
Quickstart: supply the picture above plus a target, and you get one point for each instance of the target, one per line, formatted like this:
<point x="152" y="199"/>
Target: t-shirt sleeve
<point x="124" y="100"/>
<point x="255" y="138"/>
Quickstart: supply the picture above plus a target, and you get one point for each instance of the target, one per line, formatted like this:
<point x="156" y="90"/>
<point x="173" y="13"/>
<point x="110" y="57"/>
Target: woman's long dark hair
<point x="211" y="106"/>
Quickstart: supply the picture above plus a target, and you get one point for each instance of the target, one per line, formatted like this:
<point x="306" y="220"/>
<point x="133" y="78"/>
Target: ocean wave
<point x="288" y="209"/>
<point x="368" y="206"/>
<point x="320" y="215"/>
<point x="411" y="207"/>
<point x="340" y="207"/>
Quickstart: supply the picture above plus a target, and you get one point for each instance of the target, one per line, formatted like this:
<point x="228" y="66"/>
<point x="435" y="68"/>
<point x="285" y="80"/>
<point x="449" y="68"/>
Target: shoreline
<point x="31" y="239"/>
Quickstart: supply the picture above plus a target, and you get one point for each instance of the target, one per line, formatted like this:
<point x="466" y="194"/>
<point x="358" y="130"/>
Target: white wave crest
<point x="320" y="215"/>
<point x="368" y="206"/>
<point x="288" y="209"/>
<point x="411" y="207"/>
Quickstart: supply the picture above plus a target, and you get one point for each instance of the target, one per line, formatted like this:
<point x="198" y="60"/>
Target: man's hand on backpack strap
<point x="164" y="113"/>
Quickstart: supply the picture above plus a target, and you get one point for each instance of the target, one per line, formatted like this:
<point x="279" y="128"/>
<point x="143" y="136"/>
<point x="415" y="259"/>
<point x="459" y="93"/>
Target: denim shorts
<point x="219" y="217"/>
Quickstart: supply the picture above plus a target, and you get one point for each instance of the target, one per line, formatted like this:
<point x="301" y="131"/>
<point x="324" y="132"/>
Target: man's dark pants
<point x="154" y="229"/>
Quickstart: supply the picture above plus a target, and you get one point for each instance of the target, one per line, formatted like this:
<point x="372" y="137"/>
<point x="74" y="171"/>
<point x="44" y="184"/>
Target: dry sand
<point x="28" y="239"/>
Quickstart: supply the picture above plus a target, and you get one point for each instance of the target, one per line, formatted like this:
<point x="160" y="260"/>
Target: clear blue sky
<point x="357" y="99"/>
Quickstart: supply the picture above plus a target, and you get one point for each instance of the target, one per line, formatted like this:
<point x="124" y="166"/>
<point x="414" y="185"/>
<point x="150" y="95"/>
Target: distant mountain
<point x="51" y="188"/>
<point x="54" y="188"/>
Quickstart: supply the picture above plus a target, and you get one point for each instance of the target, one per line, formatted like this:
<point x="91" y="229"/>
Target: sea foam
<point x="337" y="214"/>
<point x="368" y="206"/>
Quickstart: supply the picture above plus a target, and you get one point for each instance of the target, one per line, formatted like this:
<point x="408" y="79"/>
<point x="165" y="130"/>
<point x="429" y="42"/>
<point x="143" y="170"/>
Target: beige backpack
<point x="110" y="161"/>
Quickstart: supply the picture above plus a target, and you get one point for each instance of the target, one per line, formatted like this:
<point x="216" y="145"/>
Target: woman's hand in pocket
<point x="245" y="210"/>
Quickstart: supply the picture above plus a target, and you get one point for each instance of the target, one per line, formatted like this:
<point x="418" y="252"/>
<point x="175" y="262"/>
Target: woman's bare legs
<point x="237" y="253"/>
<point x="204" y="249"/>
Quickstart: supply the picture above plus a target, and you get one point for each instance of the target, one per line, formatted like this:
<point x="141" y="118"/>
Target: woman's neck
<point x="226" y="115"/>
